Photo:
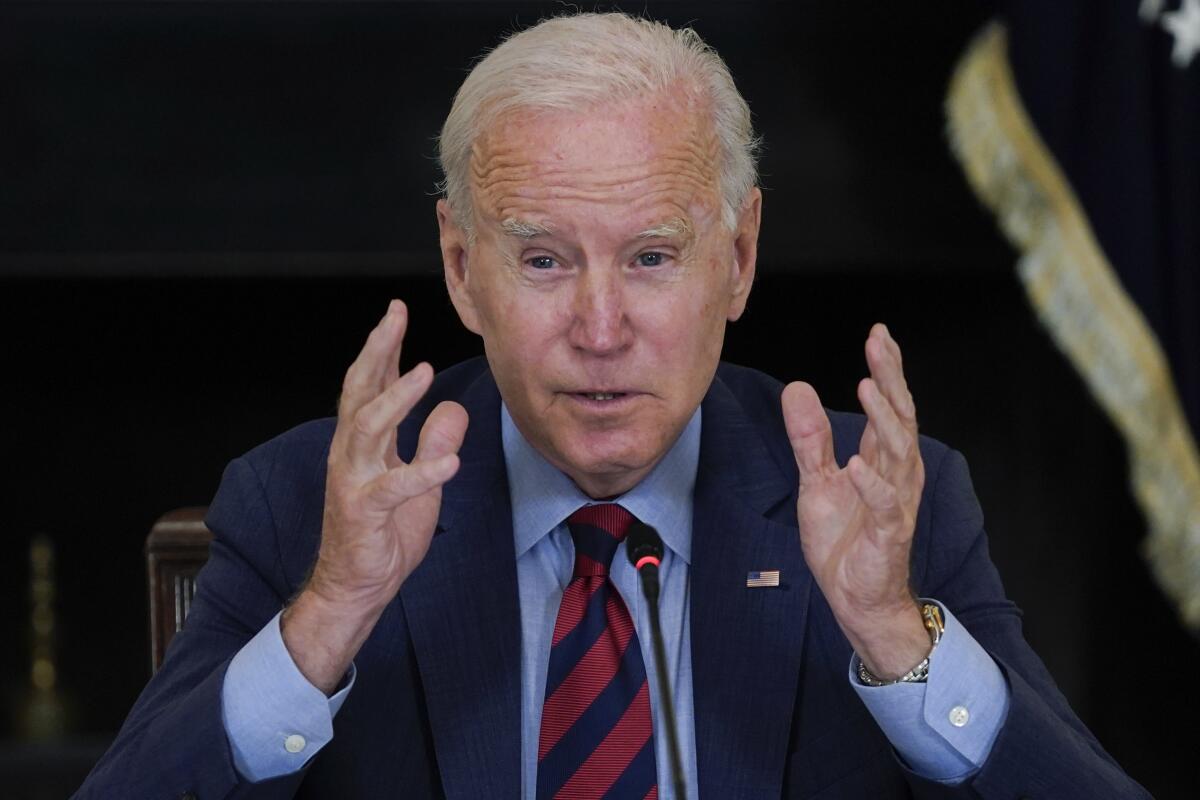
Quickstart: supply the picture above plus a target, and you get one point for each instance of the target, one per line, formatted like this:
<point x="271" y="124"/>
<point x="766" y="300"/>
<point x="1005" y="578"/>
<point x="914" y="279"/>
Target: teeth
<point x="599" y="395"/>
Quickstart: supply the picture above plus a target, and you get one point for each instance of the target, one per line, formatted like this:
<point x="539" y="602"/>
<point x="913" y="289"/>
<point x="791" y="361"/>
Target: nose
<point x="600" y="324"/>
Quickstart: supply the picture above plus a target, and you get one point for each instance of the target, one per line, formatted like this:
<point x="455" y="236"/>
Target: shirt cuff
<point x="944" y="729"/>
<point x="274" y="718"/>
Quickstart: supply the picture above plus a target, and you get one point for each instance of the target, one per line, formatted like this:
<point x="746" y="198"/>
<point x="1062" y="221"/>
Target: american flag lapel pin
<point x="762" y="579"/>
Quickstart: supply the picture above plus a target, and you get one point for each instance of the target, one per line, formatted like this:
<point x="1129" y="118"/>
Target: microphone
<point x="644" y="547"/>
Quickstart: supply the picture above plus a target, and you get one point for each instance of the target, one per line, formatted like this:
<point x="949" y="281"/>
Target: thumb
<point x="443" y="432"/>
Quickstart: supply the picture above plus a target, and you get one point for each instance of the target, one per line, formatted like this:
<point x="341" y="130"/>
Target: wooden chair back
<point x="176" y="549"/>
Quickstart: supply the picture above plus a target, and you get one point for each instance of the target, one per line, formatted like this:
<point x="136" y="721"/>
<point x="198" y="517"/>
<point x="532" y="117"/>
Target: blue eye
<point x="650" y="259"/>
<point x="541" y="262"/>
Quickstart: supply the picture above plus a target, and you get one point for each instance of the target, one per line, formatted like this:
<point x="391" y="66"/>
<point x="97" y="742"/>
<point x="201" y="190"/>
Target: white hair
<point x="580" y="61"/>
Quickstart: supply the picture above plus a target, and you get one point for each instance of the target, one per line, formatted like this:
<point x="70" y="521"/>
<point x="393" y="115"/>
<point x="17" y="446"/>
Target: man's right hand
<point x="380" y="513"/>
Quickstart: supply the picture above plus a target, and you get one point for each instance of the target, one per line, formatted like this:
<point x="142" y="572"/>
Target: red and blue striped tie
<point x="597" y="738"/>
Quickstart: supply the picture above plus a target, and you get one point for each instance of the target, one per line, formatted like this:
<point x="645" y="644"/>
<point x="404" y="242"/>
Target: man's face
<point x="601" y="278"/>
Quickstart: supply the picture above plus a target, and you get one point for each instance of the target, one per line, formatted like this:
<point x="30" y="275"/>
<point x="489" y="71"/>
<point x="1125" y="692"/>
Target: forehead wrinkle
<point x="600" y="176"/>
<point x="665" y="212"/>
<point x="672" y="120"/>
<point x="497" y="174"/>
<point x="689" y="156"/>
<point x="514" y="193"/>
<point x="511" y="177"/>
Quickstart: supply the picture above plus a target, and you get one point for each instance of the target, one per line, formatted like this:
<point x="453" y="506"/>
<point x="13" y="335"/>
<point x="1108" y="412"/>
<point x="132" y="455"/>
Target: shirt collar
<point x="543" y="497"/>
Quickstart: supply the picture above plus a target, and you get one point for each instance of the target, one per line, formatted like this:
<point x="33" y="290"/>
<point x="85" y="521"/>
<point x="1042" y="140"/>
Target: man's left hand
<point x="857" y="522"/>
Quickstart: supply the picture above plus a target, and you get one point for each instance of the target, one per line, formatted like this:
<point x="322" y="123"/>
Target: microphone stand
<point x="649" y="575"/>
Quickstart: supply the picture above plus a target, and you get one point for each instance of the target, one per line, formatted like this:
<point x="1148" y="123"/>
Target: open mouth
<point x="602" y="395"/>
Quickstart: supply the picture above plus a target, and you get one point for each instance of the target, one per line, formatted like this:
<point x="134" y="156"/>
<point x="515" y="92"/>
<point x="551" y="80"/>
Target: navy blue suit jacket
<point x="436" y="708"/>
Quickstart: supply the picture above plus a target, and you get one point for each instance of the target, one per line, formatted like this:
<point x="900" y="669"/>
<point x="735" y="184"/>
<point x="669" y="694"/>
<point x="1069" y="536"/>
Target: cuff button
<point x="294" y="743"/>
<point x="959" y="716"/>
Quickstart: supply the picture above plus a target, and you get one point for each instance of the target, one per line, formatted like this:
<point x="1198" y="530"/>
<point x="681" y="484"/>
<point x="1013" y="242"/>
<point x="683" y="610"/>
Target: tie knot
<point x="596" y="531"/>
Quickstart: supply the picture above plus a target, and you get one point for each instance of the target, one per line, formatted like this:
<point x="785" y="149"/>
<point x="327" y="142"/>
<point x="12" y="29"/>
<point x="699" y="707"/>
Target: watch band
<point x="932" y="616"/>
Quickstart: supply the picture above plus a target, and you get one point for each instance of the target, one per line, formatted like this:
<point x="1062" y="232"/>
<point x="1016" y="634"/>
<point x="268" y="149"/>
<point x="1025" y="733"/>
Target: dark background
<point x="204" y="208"/>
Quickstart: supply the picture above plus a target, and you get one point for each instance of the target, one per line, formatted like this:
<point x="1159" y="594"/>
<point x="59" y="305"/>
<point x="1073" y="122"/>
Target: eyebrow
<point x="677" y="226"/>
<point x="522" y="229"/>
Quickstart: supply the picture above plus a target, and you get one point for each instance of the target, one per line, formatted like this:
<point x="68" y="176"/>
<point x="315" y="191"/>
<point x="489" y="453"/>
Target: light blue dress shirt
<point x="943" y="729"/>
<point x="542" y="499"/>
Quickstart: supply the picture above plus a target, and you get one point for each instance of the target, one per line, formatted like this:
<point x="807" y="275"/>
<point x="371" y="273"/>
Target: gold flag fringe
<point x="1080" y="300"/>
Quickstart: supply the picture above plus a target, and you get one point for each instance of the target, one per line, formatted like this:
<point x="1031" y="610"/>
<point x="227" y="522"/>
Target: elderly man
<point x="429" y="596"/>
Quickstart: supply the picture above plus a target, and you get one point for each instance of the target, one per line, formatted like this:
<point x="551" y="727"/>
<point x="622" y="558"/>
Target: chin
<point x="612" y="459"/>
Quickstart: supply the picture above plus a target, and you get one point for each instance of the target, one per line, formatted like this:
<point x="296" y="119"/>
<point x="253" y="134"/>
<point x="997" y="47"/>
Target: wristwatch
<point x="932" y="615"/>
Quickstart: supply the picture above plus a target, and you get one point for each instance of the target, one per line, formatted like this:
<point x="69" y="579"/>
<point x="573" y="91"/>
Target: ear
<point x="455" y="251"/>
<point x="745" y="253"/>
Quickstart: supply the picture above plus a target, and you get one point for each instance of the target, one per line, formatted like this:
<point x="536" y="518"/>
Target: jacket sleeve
<point x="173" y="743"/>
<point x="1042" y="750"/>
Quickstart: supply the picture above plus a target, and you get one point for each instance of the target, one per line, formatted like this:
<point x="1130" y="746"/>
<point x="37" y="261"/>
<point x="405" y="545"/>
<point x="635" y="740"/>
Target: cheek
<point x="523" y="325"/>
<point x="683" y="339"/>
<point x="698" y="315"/>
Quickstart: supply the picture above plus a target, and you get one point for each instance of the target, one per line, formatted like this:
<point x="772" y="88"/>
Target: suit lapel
<point x="746" y="642"/>
<point x="461" y="605"/>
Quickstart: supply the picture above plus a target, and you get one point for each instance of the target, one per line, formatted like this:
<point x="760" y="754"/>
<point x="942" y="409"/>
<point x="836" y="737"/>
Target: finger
<point x="373" y="427"/>
<point x="892" y="345"/>
<point x="443" y="431"/>
<point x="868" y="445"/>
<point x="886" y="366"/>
<point x="407" y="481"/>
<point x="882" y="501"/>
<point x="897" y="441"/>
<point x="808" y="429"/>
<point x="387" y="367"/>
<point x="377" y="364"/>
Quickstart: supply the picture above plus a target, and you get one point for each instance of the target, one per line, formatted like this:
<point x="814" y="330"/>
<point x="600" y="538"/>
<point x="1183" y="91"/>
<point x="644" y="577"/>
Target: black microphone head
<point x="641" y="541"/>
